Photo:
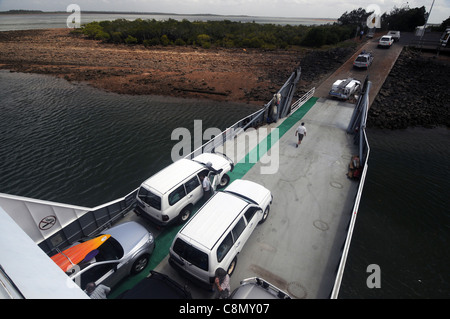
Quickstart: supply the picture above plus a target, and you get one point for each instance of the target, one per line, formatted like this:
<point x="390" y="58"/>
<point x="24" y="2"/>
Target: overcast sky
<point x="271" y="8"/>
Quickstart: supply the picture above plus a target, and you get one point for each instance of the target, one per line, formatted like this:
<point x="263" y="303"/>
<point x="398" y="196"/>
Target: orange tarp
<point x="73" y="255"/>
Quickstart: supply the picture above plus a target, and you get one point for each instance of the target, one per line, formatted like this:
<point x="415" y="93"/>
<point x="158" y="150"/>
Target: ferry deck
<point x="299" y="247"/>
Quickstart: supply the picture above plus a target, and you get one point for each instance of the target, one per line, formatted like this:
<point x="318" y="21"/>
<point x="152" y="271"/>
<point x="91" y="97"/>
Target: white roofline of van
<point x="213" y="219"/>
<point x="172" y="175"/>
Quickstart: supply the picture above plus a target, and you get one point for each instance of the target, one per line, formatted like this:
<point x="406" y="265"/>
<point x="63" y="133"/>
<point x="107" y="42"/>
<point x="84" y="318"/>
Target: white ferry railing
<point x="297" y="104"/>
<point x="52" y="225"/>
<point x="364" y="150"/>
<point x="254" y="119"/>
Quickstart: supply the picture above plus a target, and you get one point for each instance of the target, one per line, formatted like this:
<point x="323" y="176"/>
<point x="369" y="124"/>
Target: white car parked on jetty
<point x="385" y="41"/>
<point x="344" y="89"/>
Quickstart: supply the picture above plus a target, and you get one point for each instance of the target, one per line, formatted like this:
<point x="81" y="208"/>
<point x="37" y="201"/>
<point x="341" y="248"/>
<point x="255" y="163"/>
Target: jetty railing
<point x="302" y="100"/>
<point x="358" y="120"/>
<point x="255" y="119"/>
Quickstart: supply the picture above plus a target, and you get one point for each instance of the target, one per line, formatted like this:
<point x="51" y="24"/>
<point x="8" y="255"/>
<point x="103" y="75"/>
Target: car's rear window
<point x="191" y="254"/>
<point x="148" y="197"/>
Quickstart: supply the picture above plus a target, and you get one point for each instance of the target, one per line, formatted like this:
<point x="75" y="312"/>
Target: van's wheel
<point x="265" y="215"/>
<point x="184" y="215"/>
<point x="232" y="266"/>
<point x="224" y="181"/>
<point x="140" y="264"/>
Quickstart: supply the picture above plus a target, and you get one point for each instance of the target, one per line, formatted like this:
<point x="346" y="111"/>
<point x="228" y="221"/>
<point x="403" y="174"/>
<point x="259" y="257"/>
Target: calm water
<point x="74" y="144"/>
<point x="78" y="145"/>
<point x="403" y="224"/>
<point x="58" y="20"/>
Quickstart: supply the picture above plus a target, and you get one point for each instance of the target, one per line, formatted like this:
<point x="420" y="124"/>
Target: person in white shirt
<point x="206" y="184"/>
<point x="300" y="132"/>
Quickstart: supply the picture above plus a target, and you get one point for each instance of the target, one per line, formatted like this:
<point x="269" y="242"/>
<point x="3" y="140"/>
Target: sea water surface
<point x="403" y="224"/>
<point x="59" y="20"/>
<point x="71" y="143"/>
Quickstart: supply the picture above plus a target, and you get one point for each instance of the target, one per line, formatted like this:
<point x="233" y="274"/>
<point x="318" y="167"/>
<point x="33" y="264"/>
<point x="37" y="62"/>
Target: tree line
<point x="230" y="34"/>
<point x="209" y="34"/>
<point x="400" y="19"/>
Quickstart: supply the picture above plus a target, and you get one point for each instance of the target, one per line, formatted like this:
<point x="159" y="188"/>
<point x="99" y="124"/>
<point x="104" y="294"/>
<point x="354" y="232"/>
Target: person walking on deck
<point x="300" y="133"/>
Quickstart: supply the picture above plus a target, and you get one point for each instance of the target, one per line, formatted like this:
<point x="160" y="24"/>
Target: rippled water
<point x="74" y="144"/>
<point x="403" y="224"/>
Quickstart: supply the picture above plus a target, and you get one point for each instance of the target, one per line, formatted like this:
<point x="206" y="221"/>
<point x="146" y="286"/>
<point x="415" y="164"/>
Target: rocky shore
<point x="416" y="93"/>
<point x="239" y="75"/>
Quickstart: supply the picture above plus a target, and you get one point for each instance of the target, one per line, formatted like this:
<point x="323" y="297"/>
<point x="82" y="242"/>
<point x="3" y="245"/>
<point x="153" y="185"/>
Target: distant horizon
<point x="130" y="12"/>
<point x="289" y="9"/>
<point x="29" y="11"/>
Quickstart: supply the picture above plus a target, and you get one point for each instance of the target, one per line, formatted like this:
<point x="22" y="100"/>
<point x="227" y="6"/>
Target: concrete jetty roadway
<point x="384" y="60"/>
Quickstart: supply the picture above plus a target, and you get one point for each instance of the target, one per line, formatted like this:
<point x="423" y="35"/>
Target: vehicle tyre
<point x="265" y="215"/>
<point x="232" y="266"/>
<point x="184" y="215"/>
<point x="224" y="181"/>
<point x="140" y="264"/>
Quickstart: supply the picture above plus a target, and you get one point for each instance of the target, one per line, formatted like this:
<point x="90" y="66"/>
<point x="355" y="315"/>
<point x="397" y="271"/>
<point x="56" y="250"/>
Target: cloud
<point x="271" y="8"/>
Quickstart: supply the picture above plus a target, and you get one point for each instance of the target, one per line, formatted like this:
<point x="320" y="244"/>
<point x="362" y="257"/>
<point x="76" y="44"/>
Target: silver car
<point x="258" y="288"/>
<point x="125" y="253"/>
<point x="364" y="60"/>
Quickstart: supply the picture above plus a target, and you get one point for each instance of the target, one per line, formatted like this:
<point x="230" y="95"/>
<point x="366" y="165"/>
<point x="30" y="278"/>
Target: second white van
<point x="216" y="234"/>
<point x="170" y="195"/>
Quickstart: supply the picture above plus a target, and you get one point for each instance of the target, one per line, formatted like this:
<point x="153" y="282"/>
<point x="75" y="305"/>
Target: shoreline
<point x="238" y="75"/>
<point x="418" y="98"/>
<point x="250" y="76"/>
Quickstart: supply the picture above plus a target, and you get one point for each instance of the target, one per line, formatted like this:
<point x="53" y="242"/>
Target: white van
<point x="217" y="232"/>
<point x="169" y="195"/>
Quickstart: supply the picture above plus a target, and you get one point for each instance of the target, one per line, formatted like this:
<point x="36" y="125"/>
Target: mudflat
<point x="238" y="75"/>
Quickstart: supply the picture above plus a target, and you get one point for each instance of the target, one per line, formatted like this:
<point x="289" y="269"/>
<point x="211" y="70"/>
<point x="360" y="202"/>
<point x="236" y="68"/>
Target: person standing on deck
<point x="300" y="132"/>
<point x="97" y="292"/>
<point x="207" y="189"/>
<point x="221" y="285"/>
